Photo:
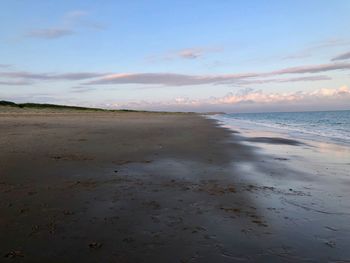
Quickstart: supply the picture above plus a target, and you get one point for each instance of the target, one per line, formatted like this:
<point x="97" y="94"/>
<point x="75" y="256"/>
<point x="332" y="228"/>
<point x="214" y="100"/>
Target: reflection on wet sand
<point x="141" y="187"/>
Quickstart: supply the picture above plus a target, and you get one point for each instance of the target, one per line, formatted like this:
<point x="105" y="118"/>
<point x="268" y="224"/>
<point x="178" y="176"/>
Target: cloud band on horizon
<point x="173" y="79"/>
<point x="249" y="98"/>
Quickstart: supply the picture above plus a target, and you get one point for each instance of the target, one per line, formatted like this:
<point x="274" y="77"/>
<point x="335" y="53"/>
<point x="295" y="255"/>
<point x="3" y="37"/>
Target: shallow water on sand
<point x="304" y="194"/>
<point x="331" y="126"/>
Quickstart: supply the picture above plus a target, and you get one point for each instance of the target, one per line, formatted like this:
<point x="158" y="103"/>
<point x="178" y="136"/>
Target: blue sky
<point x="179" y="55"/>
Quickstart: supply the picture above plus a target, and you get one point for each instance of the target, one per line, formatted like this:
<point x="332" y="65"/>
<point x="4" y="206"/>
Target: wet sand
<point x="157" y="187"/>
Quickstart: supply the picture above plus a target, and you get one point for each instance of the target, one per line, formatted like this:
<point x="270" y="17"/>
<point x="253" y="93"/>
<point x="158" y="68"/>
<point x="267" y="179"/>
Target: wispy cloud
<point x="172" y="79"/>
<point x="16" y="83"/>
<point x="284" y="80"/>
<point x="168" y="79"/>
<point x="175" y="79"/>
<point x="51" y="76"/>
<point x="194" y="53"/>
<point x="72" y="16"/>
<point x="297" y="55"/>
<point x="333" y="42"/>
<point x="5" y="65"/>
<point x="308" y="51"/>
<point x="80" y="18"/>
<point x="69" y="25"/>
<point x="191" y="53"/>
<point x="81" y="89"/>
<point x="343" y="56"/>
<point x="49" y="33"/>
<point x="312" y="69"/>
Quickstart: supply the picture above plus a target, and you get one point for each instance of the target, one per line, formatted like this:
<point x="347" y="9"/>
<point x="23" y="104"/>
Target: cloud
<point x="190" y="53"/>
<point x="80" y="18"/>
<point x="173" y="79"/>
<point x="50" y="76"/>
<point x="167" y="79"/>
<point x="186" y="53"/>
<point x="343" y="56"/>
<point x="250" y="99"/>
<point x="309" y="78"/>
<point x="312" y="69"/>
<point x="49" y="33"/>
<point x="72" y="16"/>
<point x="76" y="76"/>
<point x="335" y="42"/>
<point x="298" y="55"/>
<point x="81" y="89"/>
<point x="5" y="65"/>
<point x="307" y="52"/>
<point x="298" y="79"/>
<point x="16" y="83"/>
<point x="194" y="53"/>
<point x="258" y="96"/>
<point x="67" y="26"/>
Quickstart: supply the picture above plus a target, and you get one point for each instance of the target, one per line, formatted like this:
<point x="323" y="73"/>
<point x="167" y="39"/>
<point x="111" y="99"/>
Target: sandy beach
<point x="165" y="187"/>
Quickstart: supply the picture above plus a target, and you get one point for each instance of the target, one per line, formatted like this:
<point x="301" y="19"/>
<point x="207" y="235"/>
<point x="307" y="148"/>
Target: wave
<point x="331" y="125"/>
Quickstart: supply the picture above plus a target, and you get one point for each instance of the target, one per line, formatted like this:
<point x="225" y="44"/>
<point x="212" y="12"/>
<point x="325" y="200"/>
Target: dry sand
<point x="152" y="187"/>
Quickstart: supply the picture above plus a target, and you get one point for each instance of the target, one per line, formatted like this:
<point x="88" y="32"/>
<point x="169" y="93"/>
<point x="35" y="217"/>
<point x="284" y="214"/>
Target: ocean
<point x="318" y="125"/>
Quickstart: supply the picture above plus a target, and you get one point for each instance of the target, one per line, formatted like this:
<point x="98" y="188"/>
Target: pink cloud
<point x="174" y="79"/>
<point x="50" y="76"/>
<point x="247" y="98"/>
<point x="168" y="79"/>
<point x="185" y="53"/>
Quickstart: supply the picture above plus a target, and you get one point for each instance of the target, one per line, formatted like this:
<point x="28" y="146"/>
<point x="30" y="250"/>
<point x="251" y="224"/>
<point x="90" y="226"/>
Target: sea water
<point x="319" y="125"/>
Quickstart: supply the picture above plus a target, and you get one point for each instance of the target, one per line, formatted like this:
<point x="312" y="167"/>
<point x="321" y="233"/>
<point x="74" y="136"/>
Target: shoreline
<point x="251" y="126"/>
<point x="157" y="187"/>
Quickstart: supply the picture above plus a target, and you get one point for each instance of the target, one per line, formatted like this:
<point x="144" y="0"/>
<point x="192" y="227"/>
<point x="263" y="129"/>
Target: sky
<point x="184" y="55"/>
